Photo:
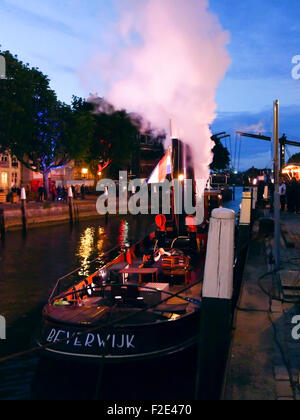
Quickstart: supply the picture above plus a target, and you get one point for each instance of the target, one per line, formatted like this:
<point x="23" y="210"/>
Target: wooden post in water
<point x="71" y="205"/>
<point x="254" y="197"/>
<point x="217" y="305"/>
<point x="2" y="225"/>
<point x="23" y="209"/>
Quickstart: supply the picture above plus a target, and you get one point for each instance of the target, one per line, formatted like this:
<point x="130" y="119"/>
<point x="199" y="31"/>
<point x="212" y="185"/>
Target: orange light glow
<point x="292" y="171"/>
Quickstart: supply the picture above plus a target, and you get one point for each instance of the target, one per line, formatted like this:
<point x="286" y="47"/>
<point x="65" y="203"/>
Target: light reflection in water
<point x="124" y="234"/>
<point x="101" y="238"/>
<point x="86" y="248"/>
<point x="92" y="243"/>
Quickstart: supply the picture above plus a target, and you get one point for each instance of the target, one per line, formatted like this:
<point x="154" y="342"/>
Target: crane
<point x="283" y="141"/>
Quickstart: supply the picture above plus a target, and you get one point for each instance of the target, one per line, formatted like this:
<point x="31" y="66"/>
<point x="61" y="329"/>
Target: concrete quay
<point x="264" y="363"/>
<point x="46" y="213"/>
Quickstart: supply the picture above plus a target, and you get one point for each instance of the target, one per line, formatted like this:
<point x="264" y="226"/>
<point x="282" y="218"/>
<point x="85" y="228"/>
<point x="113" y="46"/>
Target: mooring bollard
<point x="246" y="208"/>
<point x="2" y="225"/>
<point x="216" y="305"/>
<point x="23" y="209"/>
<point x="71" y="205"/>
<point x="245" y="218"/>
<point x="266" y="193"/>
<point x="254" y="198"/>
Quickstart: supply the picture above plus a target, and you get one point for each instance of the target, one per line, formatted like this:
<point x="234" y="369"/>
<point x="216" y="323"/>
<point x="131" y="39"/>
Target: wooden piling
<point x="216" y="305"/>
<point x="2" y="225"/>
<point x="71" y="205"/>
<point x="254" y="198"/>
<point x="24" y="210"/>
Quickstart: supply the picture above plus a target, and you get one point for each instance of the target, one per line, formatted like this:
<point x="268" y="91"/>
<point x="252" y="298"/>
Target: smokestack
<point x="179" y="177"/>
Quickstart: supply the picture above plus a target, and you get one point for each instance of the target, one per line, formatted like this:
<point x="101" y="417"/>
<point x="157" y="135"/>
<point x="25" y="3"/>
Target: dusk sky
<point x="61" y="37"/>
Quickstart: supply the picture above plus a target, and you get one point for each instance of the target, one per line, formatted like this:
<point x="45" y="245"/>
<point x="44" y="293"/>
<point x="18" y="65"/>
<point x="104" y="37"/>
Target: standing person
<point x="282" y="193"/>
<point x="292" y="195"/>
<point x="298" y="197"/>
<point x="77" y="190"/>
<point x="65" y="194"/>
<point x="54" y="193"/>
<point x="272" y="195"/>
<point x="41" y="193"/>
<point x="82" y="190"/>
<point x="59" y="192"/>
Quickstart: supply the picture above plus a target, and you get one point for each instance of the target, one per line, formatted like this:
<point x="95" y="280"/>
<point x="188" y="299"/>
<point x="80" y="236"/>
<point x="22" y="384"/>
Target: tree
<point x="295" y="159"/>
<point x="112" y="142"/>
<point x="42" y="132"/>
<point x="221" y="159"/>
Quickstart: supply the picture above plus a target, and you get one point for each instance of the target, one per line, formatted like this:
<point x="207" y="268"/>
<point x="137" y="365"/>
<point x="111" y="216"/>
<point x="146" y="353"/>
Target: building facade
<point x="10" y="173"/>
<point x="73" y="173"/>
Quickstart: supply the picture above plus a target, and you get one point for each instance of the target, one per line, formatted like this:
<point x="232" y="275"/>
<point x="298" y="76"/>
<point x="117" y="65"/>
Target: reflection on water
<point x="29" y="269"/>
<point x="86" y="247"/>
<point x="92" y="242"/>
<point x="124" y="234"/>
<point x="100" y="240"/>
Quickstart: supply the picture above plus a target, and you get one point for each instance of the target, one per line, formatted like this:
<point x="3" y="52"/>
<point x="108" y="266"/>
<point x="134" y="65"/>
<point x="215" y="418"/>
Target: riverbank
<point x="46" y="213"/>
<point x="265" y="357"/>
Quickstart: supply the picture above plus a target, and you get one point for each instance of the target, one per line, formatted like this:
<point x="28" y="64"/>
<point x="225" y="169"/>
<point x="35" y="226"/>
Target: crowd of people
<point x="290" y="195"/>
<point x="289" y="191"/>
<point x="60" y="193"/>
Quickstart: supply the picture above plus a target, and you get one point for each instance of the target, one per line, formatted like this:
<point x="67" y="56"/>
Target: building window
<point x="14" y="179"/>
<point x="4" y="180"/>
<point x="14" y="162"/>
<point x="4" y="158"/>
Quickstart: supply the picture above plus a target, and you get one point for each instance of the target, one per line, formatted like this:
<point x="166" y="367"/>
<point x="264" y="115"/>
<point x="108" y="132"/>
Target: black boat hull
<point x="120" y="344"/>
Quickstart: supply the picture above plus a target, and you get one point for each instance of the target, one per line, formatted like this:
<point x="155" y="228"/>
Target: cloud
<point x="38" y="20"/>
<point x="257" y="152"/>
<point x="254" y="128"/>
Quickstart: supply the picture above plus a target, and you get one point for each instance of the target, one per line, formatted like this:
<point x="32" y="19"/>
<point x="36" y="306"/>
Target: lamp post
<point x="276" y="182"/>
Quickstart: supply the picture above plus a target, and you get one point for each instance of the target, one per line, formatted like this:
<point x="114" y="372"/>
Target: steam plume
<point x="170" y="61"/>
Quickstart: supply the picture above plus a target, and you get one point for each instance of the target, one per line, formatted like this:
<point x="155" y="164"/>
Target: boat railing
<point x="68" y="280"/>
<point x="101" y="289"/>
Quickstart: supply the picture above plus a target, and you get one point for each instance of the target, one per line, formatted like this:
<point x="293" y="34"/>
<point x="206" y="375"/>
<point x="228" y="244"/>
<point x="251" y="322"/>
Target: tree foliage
<point x="42" y="132"/>
<point x="295" y="158"/>
<point x="113" y="137"/>
<point x="221" y="154"/>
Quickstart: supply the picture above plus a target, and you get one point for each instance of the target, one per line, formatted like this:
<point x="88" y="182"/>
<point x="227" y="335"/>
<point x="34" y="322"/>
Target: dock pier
<point x="264" y="363"/>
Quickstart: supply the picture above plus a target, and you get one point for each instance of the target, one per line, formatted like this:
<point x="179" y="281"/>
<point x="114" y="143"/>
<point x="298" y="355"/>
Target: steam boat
<point x="145" y="301"/>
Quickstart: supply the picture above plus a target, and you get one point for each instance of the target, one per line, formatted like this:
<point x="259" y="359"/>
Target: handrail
<point x="128" y="284"/>
<point x="78" y="269"/>
<point x="91" y="262"/>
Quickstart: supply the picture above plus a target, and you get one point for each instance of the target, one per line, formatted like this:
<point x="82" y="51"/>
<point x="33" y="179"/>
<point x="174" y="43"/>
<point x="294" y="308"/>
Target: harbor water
<point x="29" y="268"/>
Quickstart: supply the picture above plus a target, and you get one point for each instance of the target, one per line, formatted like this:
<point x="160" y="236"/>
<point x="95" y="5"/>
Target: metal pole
<point x="276" y="181"/>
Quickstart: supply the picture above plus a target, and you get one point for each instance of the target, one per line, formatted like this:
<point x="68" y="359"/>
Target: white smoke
<point x="171" y="58"/>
